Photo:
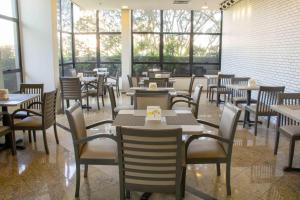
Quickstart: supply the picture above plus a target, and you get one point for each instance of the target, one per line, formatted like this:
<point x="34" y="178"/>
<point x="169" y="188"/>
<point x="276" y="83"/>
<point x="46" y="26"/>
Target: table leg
<point x="5" y="122"/>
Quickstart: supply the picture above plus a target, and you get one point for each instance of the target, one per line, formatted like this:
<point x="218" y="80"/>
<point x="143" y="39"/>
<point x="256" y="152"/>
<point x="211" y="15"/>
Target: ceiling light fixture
<point x="204" y="7"/>
<point x="227" y="4"/>
<point x="124" y="7"/>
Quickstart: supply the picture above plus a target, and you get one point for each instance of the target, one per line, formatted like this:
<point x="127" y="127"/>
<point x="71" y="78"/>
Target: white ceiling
<point x="146" y="4"/>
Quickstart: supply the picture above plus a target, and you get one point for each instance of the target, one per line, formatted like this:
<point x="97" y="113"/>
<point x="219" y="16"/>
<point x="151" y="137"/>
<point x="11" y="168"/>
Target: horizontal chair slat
<point x="150" y="178"/>
<point x="137" y="160"/>
<point x="153" y="154"/>
<point x="142" y="182"/>
<point x="149" y="146"/>
<point x="150" y="168"/>
<point x="137" y="174"/>
<point x="149" y="139"/>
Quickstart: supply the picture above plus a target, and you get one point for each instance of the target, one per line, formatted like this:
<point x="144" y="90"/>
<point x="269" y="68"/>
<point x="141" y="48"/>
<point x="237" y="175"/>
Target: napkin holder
<point x="252" y="83"/>
<point x="153" y="113"/>
<point x="4" y="94"/>
<point x="152" y="86"/>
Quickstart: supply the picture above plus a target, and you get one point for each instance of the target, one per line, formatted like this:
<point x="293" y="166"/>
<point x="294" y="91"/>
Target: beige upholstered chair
<point x="240" y="97"/>
<point x="150" y="161"/>
<point x="8" y="132"/>
<point x="267" y="96"/>
<point x="190" y="101"/>
<point x="218" y="148"/>
<point x="211" y="84"/>
<point x="70" y="90"/>
<point x="144" y="98"/>
<point x="40" y="121"/>
<point x="114" y="108"/>
<point x="97" y="90"/>
<point x="190" y="90"/>
<point x="287" y="126"/>
<point x="88" y="150"/>
<point x="221" y="89"/>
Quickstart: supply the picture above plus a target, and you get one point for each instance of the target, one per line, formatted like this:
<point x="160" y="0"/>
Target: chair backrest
<point x="161" y="82"/>
<point x="288" y="99"/>
<point x="144" y="98"/>
<point x="90" y="73"/>
<point x="100" y="84"/>
<point x="32" y="89"/>
<point x="192" y="83"/>
<point x="224" y="79"/>
<point x="112" y="99"/>
<point x="49" y="108"/>
<point x="70" y="72"/>
<point x="228" y="123"/>
<point x="267" y="96"/>
<point x="70" y="88"/>
<point x="150" y="160"/>
<point x="239" y="81"/>
<point x="130" y="80"/>
<point x="77" y="126"/>
<point x="196" y="99"/>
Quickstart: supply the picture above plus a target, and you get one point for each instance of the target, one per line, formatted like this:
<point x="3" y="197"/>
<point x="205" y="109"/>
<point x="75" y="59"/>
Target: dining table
<point x="142" y="79"/>
<point x="13" y="101"/>
<point x="131" y="91"/>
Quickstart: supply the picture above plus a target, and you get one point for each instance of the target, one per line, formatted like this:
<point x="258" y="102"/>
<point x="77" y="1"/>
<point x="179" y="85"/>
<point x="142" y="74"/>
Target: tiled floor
<point x="256" y="172"/>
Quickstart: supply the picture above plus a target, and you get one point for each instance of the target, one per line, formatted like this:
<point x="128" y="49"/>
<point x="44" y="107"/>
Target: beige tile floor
<point x="256" y="172"/>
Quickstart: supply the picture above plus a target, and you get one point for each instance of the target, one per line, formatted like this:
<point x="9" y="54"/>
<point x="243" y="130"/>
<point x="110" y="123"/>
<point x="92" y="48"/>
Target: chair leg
<point x="291" y="153"/>
<point x="34" y="135"/>
<point x="86" y="169"/>
<point x="183" y="182"/>
<point x="102" y="100"/>
<point x="98" y="104"/>
<point x="87" y="103"/>
<point x="218" y="169"/>
<point x="228" y="186"/>
<point x="218" y="99"/>
<point x="29" y="136"/>
<point x="55" y="133"/>
<point x="255" y="125"/>
<point x="77" y="180"/>
<point x="276" y="142"/>
<point x="127" y="194"/>
<point x="63" y="105"/>
<point x="269" y="119"/>
<point x="68" y="103"/>
<point x="13" y="142"/>
<point x="245" y="118"/>
<point x="207" y="92"/>
<point x="45" y="141"/>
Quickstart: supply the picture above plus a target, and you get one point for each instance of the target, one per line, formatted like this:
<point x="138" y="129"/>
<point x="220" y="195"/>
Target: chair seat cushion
<point x="29" y="122"/>
<point x="118" y="108"/>
<point x="4" y="130"/>
<point x="290" y="130"/>
<point x="23" y="114"/>
<point x="205" y="149"/>
<point x="103" y="148"/>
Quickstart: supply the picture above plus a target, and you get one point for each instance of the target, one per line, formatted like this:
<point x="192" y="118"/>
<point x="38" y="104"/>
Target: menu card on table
<point x="3" y="94"/>
<point x="152" y="86"/>
<point x="153" y="113"/>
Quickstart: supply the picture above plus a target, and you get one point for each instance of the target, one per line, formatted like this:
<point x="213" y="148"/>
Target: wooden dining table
<point x="142" y="79"/>
<point x="131" y="91"/>
<point x="13" y="101"/>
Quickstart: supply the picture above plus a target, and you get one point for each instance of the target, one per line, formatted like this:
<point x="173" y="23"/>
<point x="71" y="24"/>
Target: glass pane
<point x="85" y="46"/>
<point x="67" y="47"/>
<point x="113" y="69"/>
<point x="146" y="20"/>
<point x="110" y="21"/>
<point x="10" y="81"/>
<point x="58" y="14"/>
<point x="207" y="21"/>
<point x="146" y="47"/>
<point x="177" y="21"/>
<point x="8" y="45"/>
<point x="67" y="69"/>
<point x="138" y="69"/>
<point x="84" y="20"/>
<point x="58" y="47"/>
<point x="8" y="8"/>
<point x="110" y="48"/>
<point x="66" y="15"/>
<point x="206" y="48"/>
<point x="81" y="67"/>
<point x="200" y="69"/>
<point x="178" y="69"/>
<point x="176" y="48"/>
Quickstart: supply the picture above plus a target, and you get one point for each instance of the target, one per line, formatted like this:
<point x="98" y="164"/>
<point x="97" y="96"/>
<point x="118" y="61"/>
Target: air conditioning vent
<point x="181" y="1"/>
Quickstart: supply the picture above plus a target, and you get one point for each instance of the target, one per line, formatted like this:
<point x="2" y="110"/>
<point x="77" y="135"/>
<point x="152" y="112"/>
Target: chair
<point x="267" y="96"/>
<point x="194" y="101"/>
<point x="71" y="90"/>
<point x="9" y="132"/>
<point x="211" y="84"/>
<point x="240" y="97"/>
<point x="40" y="121"/>
<point x="144" y="98"/>
<point x="70" y="72"/>
<point x="150" y="161"/>
<point x="218" y="148"/>
<point x="88" y="150"/>
<point x="115" y="82"/>
<point x="287" y="126"/>
<point x="223" y="81"/>
<point x="97" y="90"/>
<point x="90" y="73"/>
<point x="161" y="82"/>
<point x="114" y="108"/>
<point x="130" y="86"/>
<point x="190" y="90"/>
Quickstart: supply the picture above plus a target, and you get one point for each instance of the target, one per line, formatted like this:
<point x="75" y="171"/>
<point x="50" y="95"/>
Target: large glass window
<point x="179" y="41"/>
<point x="10" y="61"/>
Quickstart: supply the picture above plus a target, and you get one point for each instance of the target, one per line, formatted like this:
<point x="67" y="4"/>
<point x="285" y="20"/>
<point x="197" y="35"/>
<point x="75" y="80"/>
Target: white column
<point x="126" y="46"/>
<point x="38" y="25"/>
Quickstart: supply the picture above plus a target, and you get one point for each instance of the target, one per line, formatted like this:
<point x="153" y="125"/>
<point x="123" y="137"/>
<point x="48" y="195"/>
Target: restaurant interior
<point x="158" y="100"/>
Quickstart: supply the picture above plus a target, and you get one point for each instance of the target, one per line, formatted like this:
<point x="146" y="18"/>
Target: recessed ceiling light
<point x="204" y="7"/>
<point x="124" y="7"/>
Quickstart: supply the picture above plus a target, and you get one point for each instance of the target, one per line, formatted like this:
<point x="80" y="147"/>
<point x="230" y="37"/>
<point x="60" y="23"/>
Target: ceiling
<point x="146" y="4"/>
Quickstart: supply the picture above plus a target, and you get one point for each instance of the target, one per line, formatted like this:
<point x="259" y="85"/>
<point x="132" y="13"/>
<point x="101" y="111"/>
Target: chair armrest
<point x="216" y="137"/>
<point x="26" y="110"/>
<point x="183" y="101"/>
<point x="34" y="103"/>
<point x="99" y="123"/>
<point x="208" y="123"/>
<point x="93" y="137"/>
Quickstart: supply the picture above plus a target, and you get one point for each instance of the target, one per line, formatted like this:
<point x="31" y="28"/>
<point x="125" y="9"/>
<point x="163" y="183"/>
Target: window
<point x="179" y="41"/>
<point x="10" y="60"/>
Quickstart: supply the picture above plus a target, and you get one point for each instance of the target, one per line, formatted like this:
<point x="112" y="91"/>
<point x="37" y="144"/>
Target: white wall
<point x="126" y="46"/>
<point x="39" y="42"/>
<point x="261" y="39"/>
